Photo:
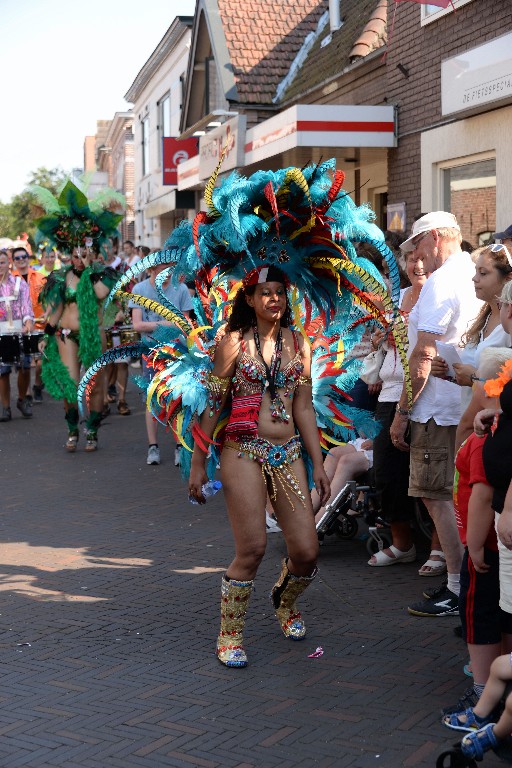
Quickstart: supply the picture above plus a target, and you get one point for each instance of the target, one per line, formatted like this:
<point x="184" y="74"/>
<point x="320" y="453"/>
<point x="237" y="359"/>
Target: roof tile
<point x="273" y="33"/>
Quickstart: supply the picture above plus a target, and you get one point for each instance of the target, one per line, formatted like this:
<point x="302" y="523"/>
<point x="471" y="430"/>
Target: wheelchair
<point x="359" y="499"/>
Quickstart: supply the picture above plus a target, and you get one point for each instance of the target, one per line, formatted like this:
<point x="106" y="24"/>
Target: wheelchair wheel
<point x="373" y="547"/>
<point x="344" y="527"/>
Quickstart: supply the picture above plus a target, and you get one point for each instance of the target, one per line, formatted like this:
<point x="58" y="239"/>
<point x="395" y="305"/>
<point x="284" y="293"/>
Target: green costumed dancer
<point x="73" y="298"/>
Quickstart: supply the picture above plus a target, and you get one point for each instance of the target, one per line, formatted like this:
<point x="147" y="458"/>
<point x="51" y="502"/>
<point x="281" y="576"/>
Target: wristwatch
<point x="402" y="411"/>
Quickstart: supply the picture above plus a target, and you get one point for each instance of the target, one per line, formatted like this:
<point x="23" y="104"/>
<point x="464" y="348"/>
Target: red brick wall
<point x="418" y="97"/>
<point x="475" y="210"/>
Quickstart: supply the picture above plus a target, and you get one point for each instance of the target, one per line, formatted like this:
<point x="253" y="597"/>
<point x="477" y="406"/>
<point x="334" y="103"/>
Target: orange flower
<point x="494" y="387"/>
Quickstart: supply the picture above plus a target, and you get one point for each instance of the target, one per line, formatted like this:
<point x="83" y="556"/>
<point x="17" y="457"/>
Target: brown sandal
<point x="123" y="408"/>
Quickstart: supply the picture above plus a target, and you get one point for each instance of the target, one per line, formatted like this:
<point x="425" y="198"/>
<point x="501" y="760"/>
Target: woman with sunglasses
<point x="493" y="270"/>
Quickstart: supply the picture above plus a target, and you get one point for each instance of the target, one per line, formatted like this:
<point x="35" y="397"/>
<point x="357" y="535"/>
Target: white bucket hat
<point x="434" y="220"/>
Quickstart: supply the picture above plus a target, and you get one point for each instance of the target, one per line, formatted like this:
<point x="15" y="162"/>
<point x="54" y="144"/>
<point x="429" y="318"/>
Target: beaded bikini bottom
<point x="275" y="462"/>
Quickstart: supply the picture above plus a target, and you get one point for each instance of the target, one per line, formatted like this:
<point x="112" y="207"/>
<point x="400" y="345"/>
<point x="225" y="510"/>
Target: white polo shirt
<point x="447" y="306"/>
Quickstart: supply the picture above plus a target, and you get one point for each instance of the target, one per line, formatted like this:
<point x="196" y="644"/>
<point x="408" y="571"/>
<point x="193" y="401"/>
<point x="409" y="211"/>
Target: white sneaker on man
<point x="177" y="456"/>
<point x="153" y="455"/>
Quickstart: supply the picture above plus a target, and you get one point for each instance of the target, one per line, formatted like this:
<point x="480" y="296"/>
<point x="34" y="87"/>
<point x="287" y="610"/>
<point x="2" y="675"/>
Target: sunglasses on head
<point x="497" y="247"/>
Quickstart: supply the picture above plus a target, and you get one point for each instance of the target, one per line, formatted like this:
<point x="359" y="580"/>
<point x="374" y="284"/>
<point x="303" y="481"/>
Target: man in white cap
<point x="446" y="306"/>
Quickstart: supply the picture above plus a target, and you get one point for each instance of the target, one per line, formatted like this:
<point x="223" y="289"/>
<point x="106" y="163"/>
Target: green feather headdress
<point x="73" y="221"/>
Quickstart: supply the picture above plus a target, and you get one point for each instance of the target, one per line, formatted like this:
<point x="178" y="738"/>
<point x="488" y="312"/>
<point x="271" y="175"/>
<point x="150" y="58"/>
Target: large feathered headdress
<point x="73" y="221"/>
<point x="298" y="220"/>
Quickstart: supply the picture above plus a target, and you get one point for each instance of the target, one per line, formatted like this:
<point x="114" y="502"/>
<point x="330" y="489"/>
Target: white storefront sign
<point x="230" y="136"/>
<point x="480" y="76"/>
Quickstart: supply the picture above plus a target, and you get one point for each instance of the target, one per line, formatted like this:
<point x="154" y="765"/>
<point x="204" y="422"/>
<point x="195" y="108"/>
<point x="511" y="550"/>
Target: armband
<point x="217" y="388"/>
<point x="50" y="329"/>
<point x="305" y="381"/>
<point x="402" y="411"/>
<point x="96" y="277"/>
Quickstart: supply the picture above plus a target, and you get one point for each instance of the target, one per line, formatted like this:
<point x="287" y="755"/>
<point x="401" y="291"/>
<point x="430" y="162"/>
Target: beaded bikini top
<point x="250" y="375"/>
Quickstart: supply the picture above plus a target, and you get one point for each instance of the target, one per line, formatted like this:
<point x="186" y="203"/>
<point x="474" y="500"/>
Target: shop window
<point x="469" y="192"/>
<point x="431" y="12"/>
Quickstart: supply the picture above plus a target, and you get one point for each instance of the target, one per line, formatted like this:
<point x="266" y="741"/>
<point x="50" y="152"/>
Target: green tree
<point x="18" y="215"/>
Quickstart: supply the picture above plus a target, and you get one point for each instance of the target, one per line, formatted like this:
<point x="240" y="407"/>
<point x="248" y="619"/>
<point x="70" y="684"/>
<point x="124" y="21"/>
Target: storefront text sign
<point x="231" y="135"/>
<point x="478" y="77"/>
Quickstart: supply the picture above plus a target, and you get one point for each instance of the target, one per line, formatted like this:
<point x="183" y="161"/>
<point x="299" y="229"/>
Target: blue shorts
<point x="26" y="362"/>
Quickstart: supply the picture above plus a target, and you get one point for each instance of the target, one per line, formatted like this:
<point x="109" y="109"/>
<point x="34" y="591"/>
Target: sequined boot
<point x="284" y="594"/>
<point x="233" y="607"/>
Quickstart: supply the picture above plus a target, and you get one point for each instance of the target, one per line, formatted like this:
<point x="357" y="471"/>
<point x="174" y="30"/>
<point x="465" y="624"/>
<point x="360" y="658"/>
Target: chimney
<point x="334" y="15"/>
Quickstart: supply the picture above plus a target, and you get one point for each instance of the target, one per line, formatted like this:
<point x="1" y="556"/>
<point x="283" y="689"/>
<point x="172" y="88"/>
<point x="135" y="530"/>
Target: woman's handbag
<point x="371" y="366"/>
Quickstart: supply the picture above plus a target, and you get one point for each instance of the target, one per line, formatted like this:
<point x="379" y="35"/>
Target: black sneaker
<point x="38" y="394"/>
<point x="25" y="406"/>
<point x="6" y="414"/>
<point x="445" y="604"/>
<point x="432" y="593"/>
<point x="468" y="699"/>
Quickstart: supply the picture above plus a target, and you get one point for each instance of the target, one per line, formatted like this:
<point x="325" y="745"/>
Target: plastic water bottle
<point x="209" y="489"/>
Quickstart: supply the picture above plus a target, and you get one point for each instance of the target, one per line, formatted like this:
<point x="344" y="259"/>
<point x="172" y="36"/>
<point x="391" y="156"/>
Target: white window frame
<point x="145" y="157"/>
<point x="456" y="163"/>
<point x="427" y="17"/>
<point x="164" y="101"/>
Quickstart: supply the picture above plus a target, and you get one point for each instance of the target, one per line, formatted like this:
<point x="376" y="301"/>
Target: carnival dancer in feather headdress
<point x="73" y="297"/>
<point x="271" y="252"/>
<point x="284" y="232"/>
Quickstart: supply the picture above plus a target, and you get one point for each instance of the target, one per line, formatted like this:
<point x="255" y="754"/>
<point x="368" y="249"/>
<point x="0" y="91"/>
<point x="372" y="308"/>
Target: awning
<point x="321" y="125"/>
<point x="304" y="125"/>
<point x="171" y="201"/>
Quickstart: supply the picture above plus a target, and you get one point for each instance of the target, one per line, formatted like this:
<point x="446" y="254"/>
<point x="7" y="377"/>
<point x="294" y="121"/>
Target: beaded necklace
<point x="277" y="409"/>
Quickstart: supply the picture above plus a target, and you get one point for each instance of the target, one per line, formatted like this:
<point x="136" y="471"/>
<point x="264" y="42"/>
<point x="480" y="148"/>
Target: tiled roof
<point x="374" y="35"/>
<point x="263" y="37"/>
<point x="363" y="30"/>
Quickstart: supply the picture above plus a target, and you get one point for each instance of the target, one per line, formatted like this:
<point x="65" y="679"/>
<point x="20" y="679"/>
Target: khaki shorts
<point x="432" y="460"/>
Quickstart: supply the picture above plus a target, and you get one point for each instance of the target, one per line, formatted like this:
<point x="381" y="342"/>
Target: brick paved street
<point x="109" y="612"/>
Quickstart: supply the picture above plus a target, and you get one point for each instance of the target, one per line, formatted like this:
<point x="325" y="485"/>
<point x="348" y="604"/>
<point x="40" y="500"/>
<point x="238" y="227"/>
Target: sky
<point x="64" y="65"/>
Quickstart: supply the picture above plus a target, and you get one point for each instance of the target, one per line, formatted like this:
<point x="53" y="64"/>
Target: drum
<point x="128" y="335"/>
<point x="113" y="337"/>
<point x="10" y="348"/>
<point x="30" y="342"/>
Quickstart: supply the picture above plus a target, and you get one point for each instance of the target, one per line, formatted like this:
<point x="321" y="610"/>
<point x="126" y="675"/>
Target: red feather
<point x="200" y="218"/>
<point x="271" y="197"/>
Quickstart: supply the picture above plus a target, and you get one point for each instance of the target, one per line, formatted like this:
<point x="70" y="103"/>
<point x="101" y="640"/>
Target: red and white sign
<point x="321" y="125"/>
<point x="176" y="151"/>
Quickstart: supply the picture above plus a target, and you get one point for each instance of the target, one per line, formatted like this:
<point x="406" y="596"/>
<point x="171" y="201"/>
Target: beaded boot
<point x="233" y="607"/>
<point x="284" y="594"/>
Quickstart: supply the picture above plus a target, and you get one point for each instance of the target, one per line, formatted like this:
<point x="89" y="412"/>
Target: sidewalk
<point x="109" y="608"/>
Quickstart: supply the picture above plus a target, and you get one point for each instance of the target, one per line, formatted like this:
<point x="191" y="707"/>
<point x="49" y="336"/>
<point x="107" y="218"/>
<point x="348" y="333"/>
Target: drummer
<point x="35" y="281"/>
<point x="146" y="322"/>
<point x="16" y="317"/>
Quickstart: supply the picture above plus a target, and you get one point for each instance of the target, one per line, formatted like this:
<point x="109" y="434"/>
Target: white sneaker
<point x="153" y="455"/>
<point x="271" y="523"/>
<point x="177" y="456"/>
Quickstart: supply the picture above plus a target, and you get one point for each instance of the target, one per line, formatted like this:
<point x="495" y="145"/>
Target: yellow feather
<point x="210" y="184"/>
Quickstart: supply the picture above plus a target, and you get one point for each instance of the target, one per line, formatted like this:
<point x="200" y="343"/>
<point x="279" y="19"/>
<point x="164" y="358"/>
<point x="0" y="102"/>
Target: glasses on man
<point x="19" y="258"/>
<point x="498" y="247"/>
<point x="415" y="243"/>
